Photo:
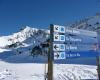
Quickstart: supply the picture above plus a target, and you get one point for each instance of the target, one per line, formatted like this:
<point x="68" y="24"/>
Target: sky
<point x="15" y="14"/>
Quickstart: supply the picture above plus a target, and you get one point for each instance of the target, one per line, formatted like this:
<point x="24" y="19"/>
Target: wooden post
<point x="50" y="56"/>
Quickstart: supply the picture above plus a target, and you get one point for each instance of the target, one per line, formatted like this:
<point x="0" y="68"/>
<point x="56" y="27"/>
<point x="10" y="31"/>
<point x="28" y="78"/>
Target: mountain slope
<point x="90" y="23"/>
<point x="25" y="34"/>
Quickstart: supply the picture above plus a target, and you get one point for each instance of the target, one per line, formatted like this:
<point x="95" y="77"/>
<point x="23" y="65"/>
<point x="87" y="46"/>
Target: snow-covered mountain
<point x="89" y="23"/>
<point x="27" y="40"/>
<point x="25" y="44"/>
<point x="23" y="35"/>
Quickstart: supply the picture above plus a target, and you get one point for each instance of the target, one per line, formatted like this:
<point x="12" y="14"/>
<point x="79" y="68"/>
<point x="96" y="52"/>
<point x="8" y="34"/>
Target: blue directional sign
<point x="77" y="54"/>
<point x="73" y="43"/>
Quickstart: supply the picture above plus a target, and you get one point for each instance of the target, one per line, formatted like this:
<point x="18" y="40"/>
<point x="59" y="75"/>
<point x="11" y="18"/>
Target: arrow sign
<point x="56" y="55"/>
<point x="56" y="47"/>
<point x="59" y="55"/>
<point x="56" y="28"/>
<point x="56" y="37"/>
<point x="59" y="47"/>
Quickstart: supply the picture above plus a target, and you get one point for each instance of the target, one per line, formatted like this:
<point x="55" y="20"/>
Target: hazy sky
<point x="40" y="13"/>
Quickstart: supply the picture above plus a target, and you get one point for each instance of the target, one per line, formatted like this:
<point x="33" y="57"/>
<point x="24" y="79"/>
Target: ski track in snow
<point x="74" y="72"/>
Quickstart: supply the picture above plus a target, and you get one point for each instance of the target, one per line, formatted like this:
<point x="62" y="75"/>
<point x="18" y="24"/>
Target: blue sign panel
<point x="82" y="54"/>
<point x="74" y="43"/>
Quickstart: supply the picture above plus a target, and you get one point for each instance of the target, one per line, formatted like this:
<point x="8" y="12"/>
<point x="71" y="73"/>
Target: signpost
<point x="70" y="43"/>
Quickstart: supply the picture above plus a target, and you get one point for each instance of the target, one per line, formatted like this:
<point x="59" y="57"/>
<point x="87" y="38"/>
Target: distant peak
<point x="27" y="28"/>
<point x="98" y="14"/>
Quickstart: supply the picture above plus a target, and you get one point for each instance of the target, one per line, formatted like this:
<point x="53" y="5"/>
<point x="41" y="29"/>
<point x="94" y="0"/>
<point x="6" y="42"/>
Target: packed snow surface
<point x="35" y="71"/>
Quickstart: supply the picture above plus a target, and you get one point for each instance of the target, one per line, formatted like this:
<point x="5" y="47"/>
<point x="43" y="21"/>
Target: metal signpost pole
<point x="50" y="56"/>
<point x="45" y="73"/>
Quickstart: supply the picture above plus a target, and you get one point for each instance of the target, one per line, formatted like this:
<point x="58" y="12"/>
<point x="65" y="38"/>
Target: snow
<point x="4" y="74"/>
<point x="2" y="50"/>
<point x="74" y="72"/>
<point x="34" y="71"/>
<point x="3" y="41"/>
<point x="23" y="71"/>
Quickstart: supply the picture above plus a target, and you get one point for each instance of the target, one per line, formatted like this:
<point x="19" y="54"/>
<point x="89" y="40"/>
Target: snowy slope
<point x="74" y="72"/>
<point x="4" y="41"/>
<point x="90" y="23"/>
<point x="34" y="71"/>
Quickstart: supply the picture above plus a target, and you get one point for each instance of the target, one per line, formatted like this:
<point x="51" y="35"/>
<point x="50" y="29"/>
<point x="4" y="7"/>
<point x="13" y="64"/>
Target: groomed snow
<point x="34" y="71"/>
